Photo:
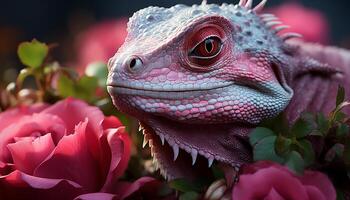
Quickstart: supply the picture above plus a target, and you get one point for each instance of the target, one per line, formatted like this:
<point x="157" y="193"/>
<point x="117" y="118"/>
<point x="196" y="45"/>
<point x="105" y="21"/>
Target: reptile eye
<point x="205" y="46"/>
<point x="207" y="49"/>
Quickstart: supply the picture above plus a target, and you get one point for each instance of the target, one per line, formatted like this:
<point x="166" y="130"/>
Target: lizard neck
<point x="316" y="92"/>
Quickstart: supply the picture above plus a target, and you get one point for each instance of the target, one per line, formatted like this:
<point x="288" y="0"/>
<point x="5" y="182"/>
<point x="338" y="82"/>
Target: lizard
<point x="200" y="78"/>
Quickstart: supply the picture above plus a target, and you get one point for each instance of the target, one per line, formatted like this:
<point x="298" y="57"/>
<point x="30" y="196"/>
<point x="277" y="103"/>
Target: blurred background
<point x="92" y="30"/>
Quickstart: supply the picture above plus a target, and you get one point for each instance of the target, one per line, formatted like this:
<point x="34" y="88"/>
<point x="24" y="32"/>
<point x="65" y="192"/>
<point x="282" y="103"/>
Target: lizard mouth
<point x="176" y="161"/>
<point x="168" y="87"/>
<point x="181" y="152"/>
<point x="163" y="91"/>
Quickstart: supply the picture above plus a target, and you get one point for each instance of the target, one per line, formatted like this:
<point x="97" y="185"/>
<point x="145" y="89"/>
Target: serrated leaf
<point x="340" y="95"/>
<point x="32" y="54"/>
<point x="295" y="162"/>
<point x="301" y="128"/>
<point x="265" y="150"/>
<point x="258" y="134"/>
<point x="183" y="185"/>
<point x="283" y="145"/>
<point x="307" y="152"/>
<point x="189" y="196"/>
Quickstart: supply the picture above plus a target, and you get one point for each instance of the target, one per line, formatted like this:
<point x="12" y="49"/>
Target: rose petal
<point x="111" y="122"/>
<point x="27" y="154"/>
<point x="71" y="160"/>
<point x="73" y="111"/>
<point x="119" y="149"/>
<point x="264" y="180"/>
<point x="26" y="126"/>
<point x="314" y="193"/>
<point x="12" y="115"/>
<point x="96" y="196"/>
<point x="273" y="195"/>
<point x="124" y="189"/>
<point x="321" y="182"/>
<point x="19" y="185"/>
<point x="252" y="168"/>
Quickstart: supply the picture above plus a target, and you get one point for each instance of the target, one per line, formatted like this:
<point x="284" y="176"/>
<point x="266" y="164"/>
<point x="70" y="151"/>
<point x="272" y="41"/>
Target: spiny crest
<point x="273" y="23"/>
<point x="162" y="23"/>
<point x="249" y="3"/>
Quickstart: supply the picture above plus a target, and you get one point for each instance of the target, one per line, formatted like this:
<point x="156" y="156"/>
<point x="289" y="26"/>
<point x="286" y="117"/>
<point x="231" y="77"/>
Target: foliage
<point x="314" y="141"/>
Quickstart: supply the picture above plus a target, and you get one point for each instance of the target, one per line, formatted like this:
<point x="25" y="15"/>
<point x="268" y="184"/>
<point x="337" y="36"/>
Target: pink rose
<point x="312" y="24"/>
<point x="270" y="181"/>
<point x="100" y="42"/>
<point x="63" y="151"/>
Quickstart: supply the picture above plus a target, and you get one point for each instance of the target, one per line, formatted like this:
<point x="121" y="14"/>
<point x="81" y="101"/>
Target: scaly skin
<point x="200" y="78"/>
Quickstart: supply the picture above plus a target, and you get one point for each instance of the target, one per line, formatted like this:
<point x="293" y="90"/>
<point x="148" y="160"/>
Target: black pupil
<point x="209" y="45"/>
<point x="133" y="63"/>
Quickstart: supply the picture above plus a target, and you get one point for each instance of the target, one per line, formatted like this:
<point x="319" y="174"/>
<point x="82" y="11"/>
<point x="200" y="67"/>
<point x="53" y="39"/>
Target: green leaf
<point x="84" y="88"/>
<point x="32" y="54"/>
<point x="343" y="130"/>
<point x="265" y="150"/>
<point x="65" y="86"/>
<point x="307" y="152"/>
<point x="339" y="116"/>
<point x="183" y="185"/>
<point x="301" y="128"/>
<point x="295" y="162"/>
<point x="283" y="145"/>
<point x="278" y="124"/>
<point x="189" y="196"/>
<point x="340" y="95"/>
<point x="98" y="70"/>
<point x="258" y="134"/>
<point x="322" y="123"/>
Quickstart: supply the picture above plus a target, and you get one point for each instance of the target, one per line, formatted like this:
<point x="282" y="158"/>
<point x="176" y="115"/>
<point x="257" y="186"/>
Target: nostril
<point x="110" y="63"/>
<point x="134" y="63"/>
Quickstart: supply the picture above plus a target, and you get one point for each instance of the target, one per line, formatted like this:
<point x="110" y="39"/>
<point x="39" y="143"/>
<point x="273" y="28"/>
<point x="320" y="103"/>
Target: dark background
<point x="47" y="19"/>
<point x="59" y="20"/>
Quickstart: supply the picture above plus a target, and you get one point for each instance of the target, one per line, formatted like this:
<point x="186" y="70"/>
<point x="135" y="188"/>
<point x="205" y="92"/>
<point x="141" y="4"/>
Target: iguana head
<point x="199" y="78"/>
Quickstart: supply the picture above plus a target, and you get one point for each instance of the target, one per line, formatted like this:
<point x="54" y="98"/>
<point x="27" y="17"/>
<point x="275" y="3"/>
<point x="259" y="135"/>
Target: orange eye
<point x="207" y="49"/>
